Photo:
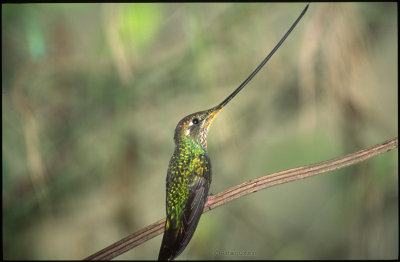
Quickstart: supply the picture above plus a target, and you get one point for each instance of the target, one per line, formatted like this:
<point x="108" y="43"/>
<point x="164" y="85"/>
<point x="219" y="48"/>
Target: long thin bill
<point x="229" y="98"/>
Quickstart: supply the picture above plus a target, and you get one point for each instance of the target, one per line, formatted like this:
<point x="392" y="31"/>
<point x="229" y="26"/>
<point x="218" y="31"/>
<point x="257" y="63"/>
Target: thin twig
<point x="246" y="188"/>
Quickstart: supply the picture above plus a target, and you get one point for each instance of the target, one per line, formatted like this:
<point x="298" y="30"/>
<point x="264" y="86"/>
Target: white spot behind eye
<point x="191" y="123"/>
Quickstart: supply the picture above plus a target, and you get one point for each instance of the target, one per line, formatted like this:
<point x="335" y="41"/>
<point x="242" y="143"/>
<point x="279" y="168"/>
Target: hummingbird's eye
<point x="196" y="121"/>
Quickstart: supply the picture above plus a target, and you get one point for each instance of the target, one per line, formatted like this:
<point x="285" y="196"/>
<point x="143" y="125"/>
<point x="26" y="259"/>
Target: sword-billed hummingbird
<point x="189" y="171"/>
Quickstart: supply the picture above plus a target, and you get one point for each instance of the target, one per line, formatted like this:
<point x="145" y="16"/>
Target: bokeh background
<point x="91" y="94"/>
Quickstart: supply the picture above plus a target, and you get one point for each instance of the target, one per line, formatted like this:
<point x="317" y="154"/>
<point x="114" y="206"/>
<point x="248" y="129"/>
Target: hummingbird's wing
<point x="176" y="239"/>
<point x="193" y="211"/>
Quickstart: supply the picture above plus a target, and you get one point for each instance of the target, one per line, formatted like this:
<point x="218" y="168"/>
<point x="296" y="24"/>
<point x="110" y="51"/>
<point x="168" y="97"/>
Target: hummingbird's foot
<point x="209" y="198"/>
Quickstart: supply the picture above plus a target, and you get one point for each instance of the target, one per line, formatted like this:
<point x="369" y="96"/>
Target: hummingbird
<point x="189" y="170"/>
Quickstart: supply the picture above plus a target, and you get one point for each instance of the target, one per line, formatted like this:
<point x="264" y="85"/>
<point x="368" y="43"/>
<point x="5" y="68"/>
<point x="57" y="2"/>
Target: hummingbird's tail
<point x="169" y="247"/>
<point x="175" y="240"/>
<point x="166" y="253"/>
<point x="177" y="236"/>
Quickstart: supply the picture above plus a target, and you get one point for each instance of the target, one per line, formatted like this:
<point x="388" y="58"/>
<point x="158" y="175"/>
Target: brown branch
<point x="246" y="188"/>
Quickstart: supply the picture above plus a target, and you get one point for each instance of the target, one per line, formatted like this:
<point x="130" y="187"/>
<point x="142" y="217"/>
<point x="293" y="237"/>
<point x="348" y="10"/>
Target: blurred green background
<point x="91" y="94"/>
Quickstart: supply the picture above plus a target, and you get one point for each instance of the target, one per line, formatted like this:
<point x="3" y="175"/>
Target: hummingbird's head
<point x="195" y="126"/>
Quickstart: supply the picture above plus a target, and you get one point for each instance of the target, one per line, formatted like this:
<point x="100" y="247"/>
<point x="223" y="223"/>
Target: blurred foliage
<point x="91" y="94"/>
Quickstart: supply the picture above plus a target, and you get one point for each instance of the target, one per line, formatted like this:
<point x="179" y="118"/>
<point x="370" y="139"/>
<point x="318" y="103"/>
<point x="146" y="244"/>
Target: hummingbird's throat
<point x="206" y="125"/>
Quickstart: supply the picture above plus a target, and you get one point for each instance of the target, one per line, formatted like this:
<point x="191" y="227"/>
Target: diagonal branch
<point x="246" y="188"/>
